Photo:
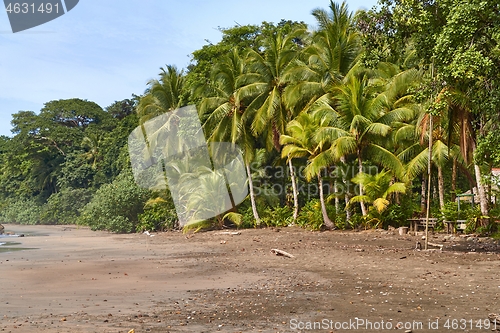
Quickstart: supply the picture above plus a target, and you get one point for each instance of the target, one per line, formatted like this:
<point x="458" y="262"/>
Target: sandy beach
<point x="75" y="280"/>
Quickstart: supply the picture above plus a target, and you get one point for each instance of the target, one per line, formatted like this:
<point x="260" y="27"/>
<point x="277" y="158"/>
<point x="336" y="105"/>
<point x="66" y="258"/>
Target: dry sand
<point x="76" y="280"/>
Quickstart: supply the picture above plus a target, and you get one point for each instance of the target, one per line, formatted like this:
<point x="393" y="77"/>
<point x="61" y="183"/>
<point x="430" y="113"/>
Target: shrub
<point x="277" y="216"/>
<point x="450" y="211"/>
<point x="310" y="216"/>
<point x="341" y="222"/>
<point x="64" y="207"/>
<point x="115" y="207"/>
<point x="21" y="211"/>
<point x="159" y="214"/>
<point x="473" y="216"/>
<point x="395" y="215"/>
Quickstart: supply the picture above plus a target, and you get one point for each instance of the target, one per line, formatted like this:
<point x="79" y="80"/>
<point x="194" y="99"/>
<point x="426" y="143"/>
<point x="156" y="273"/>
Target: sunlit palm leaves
<point x="162" y="95"/>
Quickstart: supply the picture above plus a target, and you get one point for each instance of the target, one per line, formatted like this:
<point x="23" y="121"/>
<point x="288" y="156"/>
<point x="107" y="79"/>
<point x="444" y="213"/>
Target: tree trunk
<point x="294" y="189"/>
<point x="252" y="195"/>
<point x="483" y="202"/>
<point x="346" y="192"/>
<point x="454" y="181"/>
<point x="360" y="170"/>
<point x="423" y="195"/>
<point x="337" y="199"/>
<point x="326" y="220"/>
<point x="440" y="187"/>
<point x="348" y="214"/>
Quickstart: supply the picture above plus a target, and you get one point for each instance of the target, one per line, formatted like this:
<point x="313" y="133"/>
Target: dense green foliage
<point x="334" y="125"/>
<point x="115" y="206"/>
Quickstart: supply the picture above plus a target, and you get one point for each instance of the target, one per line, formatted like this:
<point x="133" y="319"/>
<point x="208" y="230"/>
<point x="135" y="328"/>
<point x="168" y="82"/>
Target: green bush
<point x="115" y="207"/>
<point x="21" y="211"/>
<point x="357" y="220"/>
<point x="310" y="216"/>
<point x="159" y="215"/>
<point x="395" y="215"/>
<point x="277" y="216"/>
<point x="64" y="207"/>
<point x="341" y="222"/>
<point x="473" y="216"/>
<point x="450" y="211"/>
<point x="248" y="220"/>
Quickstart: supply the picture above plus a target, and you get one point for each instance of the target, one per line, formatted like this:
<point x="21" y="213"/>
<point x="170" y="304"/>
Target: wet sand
<point x="76" y="280"/>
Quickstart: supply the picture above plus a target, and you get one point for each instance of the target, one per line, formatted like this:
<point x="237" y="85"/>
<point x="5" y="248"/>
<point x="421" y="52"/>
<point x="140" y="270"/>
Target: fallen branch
<point x="232" y="233"/>
<point x="281" y="253"/>
<point x="494" y="318"/>
<point x="436" y="245"/>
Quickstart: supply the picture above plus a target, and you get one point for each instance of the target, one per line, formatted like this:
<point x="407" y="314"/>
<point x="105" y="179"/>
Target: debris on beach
<point x="282" y="253"/>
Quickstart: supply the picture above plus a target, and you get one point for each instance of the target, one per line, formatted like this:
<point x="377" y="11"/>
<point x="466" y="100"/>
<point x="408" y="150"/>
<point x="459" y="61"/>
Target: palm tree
<point x="91" y="141"/>
<point x="302" y="141"/>
<point x="323" y="65"/>
<point x="462" y="119"/>
<point x="325" y="62"/>
<point x="378" y="188"/>
<point x="336" y="45"/>
<point x="266" y="82"/>
<point x="360" y="105"/>
<point x="162" y="95"/>
<point x="226" y="113"/>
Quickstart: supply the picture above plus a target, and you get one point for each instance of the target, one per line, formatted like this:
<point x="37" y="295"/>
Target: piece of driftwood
<point x="282" y="253"/>
<point x="232" y="233"/>
<point x="494" y="318"/>
<point x="436" y="245"/>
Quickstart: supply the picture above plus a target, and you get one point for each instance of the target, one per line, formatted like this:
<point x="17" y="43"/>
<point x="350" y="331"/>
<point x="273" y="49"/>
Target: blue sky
<point x="105" y="51"/>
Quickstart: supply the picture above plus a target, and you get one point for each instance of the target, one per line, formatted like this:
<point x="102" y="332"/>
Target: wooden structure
<point x="421" y="222"/>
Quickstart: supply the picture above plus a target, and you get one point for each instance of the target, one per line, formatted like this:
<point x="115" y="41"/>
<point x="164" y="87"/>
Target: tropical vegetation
<point x="338" y="127"/>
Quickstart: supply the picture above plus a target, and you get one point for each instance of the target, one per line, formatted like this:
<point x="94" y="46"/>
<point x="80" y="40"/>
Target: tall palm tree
<point x="360" y="107"/>
<point x="266" y="84"/>
<point x="462" y="120"/>
<point x="225" y="112"/>
<point x="302" y="141"/>
<point x="324" y="63"/>
<point x="162" y="95"/>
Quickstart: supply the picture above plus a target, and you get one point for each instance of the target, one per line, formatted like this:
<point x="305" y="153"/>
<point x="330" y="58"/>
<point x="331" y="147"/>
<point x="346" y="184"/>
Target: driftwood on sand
<point x="282" y="253"/>
<point x="494" y="318"/>
<point x="418" y="245"/>
<point x="436" y="245"/>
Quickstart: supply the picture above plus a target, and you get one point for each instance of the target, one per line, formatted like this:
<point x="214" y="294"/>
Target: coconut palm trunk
<point x="252" y="195"/>
<point x="423" y="194"/>
<point x="454" y="180"/>
<point x="440" y="186"/>
<point x="337" y="199"/>
<point x="360" y="170"/>
<point x="294" y="189"/>
<point x="326" y="220"/>
<point x="483" y="202"/>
